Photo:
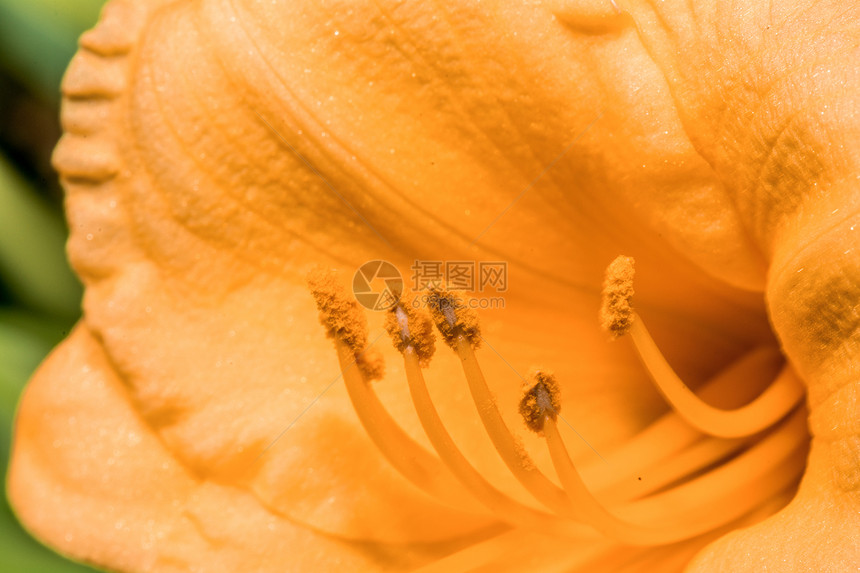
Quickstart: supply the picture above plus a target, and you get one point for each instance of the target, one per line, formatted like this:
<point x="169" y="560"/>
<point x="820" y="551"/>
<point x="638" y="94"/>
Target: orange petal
<point x="89" y="475"/>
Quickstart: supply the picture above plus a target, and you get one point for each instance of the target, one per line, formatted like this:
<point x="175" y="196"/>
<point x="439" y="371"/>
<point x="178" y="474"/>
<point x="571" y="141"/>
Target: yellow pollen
<point x="371" y="363"/>
<point x="669" y="483"/>
<point x="540" y="400"/>
<point x="453" y="318"/>
<point x="616" y="313"/>
<point x="344" y="321"/>
<point x="346" y="325"/>
<point x="411" y="328"/>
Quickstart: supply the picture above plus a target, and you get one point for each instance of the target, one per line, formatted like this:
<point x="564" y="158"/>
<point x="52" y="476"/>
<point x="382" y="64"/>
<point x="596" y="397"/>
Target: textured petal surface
<point x="216" y="150"/>
<point x="103" y="489"/>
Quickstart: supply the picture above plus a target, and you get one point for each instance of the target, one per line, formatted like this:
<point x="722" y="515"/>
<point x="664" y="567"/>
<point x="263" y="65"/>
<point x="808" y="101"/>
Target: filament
<point x="414" y="462"/>
<point x="770" y="465"/>
<point x="504" y="507"/>
<point x="695" y="507"/>
<point x="619" y="318"/>
<point x="656" y="445"/>
<point x="702" y="454"/>
<point x="510" y="450"/>
<point x="592" y="511"/>
<point x="770" y="407"/>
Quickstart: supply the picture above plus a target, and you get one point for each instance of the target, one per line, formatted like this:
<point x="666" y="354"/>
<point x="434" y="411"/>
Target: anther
<point x="616" y="313"/>
<point x="540" y="400"/>
<point x="453" y="318"/>
<point x="410" y="328"/>
<point x="346" y="324"/>
<point x="344" y="321"/>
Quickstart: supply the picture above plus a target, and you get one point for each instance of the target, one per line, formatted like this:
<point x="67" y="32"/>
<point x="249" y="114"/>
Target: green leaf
<point x="39" y="37"/>
<point x="48" y="331"/>
<point x="20" y="353"/>
<point x="32" y="250"/>
<point x="25" y="339"/>
<point x="23" y="554"/>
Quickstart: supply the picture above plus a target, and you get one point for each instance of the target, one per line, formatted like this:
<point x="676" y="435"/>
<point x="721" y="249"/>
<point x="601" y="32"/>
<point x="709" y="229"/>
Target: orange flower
<point x="215" y="151"/>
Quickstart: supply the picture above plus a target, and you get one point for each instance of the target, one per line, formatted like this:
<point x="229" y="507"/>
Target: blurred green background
<point x="39" y="296"/>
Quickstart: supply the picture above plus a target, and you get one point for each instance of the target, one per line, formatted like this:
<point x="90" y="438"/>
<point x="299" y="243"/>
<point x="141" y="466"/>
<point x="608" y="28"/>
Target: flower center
<point x="707" y="467"/>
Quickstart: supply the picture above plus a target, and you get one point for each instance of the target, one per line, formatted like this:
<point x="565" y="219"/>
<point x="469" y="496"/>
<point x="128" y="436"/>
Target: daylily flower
<point x="216" y="151"/>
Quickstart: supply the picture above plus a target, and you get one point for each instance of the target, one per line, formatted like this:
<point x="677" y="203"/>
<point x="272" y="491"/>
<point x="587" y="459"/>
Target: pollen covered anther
<point x="371" y="364"/>
<point x="616" y="312"/>
<point x="411" y="328"/>
<point x="573" y="510"/>
<point x="453" y="318"/>
<point x="541" y="400"/>
<point x="346" y="325"/>
<point x="344" y="321"/>
<point x="503" y="506"/>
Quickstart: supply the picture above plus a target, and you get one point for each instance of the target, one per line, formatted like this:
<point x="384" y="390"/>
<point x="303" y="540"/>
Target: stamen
<point x="344" y="321"/>
<point x="411" y="328"/>
<point x="503" y="506"/>
<point x="694" y="503"/>
<point x="619" y="318"/>
<point x="540" y="400"/>
<point x="347" y="325"/>
<point x="696" y="507"/>
<point x="462" y="334"/>
<point x="453" y="318"/>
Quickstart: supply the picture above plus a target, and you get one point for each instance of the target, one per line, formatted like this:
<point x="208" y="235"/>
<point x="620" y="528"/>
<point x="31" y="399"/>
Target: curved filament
<point x="511" y="452"/>
<point x="770" y="407"/>
<point x="505" y="508"/>
<point x="695" y="507"/>
<point x="416" y="464"/>
<point x="655" y="448"/>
